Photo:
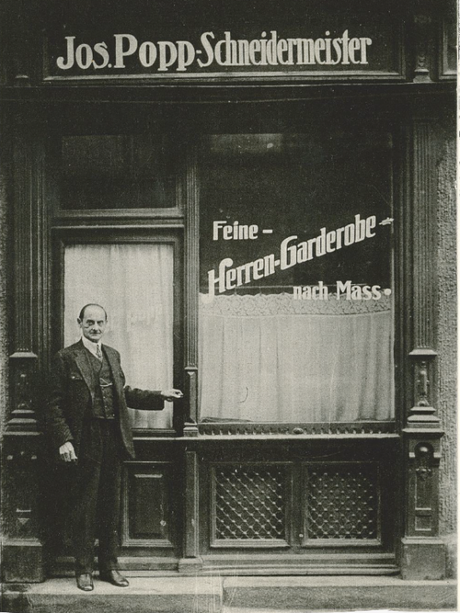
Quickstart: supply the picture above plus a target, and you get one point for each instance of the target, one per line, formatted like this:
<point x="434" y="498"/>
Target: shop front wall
<point x="273" y="212"/>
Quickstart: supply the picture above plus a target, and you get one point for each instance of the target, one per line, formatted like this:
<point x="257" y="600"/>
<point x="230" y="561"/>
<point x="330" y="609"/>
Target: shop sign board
<point x="366" y="45"/>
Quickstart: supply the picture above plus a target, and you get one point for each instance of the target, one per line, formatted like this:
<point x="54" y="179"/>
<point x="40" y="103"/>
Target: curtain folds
<point x="262" y="358"/>
<point x="273" y="358"/>
<point x="134" y="283"/>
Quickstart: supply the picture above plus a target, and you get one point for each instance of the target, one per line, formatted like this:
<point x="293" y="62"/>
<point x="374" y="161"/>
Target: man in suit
<point x="86" y="419"/>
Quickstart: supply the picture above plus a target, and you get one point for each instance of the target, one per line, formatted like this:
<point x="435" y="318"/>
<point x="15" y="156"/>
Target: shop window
<point x="134" y="282"/>
<point x="296" y="304"/>
<point x="116" y="172"/>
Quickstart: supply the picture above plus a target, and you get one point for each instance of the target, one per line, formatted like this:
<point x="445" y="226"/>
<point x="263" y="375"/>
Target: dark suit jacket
<point x="71" y="397"/>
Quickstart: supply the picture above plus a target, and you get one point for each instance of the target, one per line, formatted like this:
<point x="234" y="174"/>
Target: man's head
<point x="93" y="322"/>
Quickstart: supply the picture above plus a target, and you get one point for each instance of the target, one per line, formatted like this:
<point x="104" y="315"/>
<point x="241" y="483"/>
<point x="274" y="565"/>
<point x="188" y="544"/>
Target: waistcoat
<point x="103" y="405"/>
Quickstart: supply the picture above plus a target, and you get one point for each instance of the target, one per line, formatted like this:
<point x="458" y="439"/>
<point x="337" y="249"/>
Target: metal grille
<point x="250" y="502"/>
<point x="342" y="502"/>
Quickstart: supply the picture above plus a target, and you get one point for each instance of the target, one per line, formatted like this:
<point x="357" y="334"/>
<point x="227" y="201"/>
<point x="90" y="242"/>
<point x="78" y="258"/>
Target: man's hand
<point x="67" y="452"/>
<point x="172" y="394"/>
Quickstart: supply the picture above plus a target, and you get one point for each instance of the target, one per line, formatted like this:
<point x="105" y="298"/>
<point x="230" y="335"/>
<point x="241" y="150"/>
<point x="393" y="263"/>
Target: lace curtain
<point x="134" y="283"/>
<point x="273" y="358"/>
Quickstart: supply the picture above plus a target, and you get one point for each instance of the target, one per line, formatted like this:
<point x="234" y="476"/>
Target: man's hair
<point x="91" y="304"/>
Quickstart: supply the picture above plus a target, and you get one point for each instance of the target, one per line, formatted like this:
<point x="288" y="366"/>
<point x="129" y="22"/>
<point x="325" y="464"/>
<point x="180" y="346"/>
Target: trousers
<point x="96" y="499"/>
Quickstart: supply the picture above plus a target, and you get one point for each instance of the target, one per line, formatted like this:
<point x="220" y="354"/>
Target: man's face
<point x="93" y="323"/>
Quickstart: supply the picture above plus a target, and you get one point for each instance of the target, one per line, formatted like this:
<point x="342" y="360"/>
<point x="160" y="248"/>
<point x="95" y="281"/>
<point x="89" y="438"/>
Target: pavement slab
<point x="226" y="594"/>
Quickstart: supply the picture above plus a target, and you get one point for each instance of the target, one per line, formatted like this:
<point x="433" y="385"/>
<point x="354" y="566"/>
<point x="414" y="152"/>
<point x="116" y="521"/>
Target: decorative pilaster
<point x="23" y="557"/>
<point x="423" y="272"/>
<point x="30" y="281"/>
<point x="423" y="554"/>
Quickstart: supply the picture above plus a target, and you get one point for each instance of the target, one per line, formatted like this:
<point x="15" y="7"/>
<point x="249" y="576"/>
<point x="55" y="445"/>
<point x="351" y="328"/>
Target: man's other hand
<point x="67" y="452"/>
<point x="172" y="394"/>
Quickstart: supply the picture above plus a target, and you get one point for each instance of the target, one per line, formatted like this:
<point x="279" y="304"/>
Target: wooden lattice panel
<point x="250" y="502"/>
<point x="343" y="502"/>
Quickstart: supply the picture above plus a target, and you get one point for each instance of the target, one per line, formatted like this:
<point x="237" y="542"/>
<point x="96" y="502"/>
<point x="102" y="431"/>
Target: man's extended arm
<point x="146" y="400"/>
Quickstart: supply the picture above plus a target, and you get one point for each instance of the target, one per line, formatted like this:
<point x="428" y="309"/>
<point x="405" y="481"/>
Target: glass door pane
<point x="134" y="283"/>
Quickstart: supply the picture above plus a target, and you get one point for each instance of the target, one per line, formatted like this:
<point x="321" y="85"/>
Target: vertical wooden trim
<point x="23" y="231"/>
<point x="191" y="282"/>
<point x="191" y="533"/>
<point x="403" y="274"/>
<point x="178" y="330"/>
<point x="41" y="249"/>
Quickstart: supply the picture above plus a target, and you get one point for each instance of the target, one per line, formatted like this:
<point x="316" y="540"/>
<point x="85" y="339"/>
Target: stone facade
<point x="447" y="340"/>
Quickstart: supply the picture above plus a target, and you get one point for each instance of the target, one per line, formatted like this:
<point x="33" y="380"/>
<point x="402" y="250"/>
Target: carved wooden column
<point x="423" y="553"/>
<point x="23" y="558"/>
<point x="191" y="562"/>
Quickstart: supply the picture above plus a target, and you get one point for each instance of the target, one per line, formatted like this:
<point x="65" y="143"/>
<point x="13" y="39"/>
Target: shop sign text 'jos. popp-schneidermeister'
<point x="214" y="52"/>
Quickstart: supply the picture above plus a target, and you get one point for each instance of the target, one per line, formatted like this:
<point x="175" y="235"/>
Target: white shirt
<point x="91" y="346"/>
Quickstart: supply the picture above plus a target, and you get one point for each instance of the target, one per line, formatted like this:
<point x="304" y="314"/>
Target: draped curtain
<point x="273" y="358"/>
<point x="134" y="283"/>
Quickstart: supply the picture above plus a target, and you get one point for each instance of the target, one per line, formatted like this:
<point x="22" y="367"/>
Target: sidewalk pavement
<point x="226" y="594"/>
